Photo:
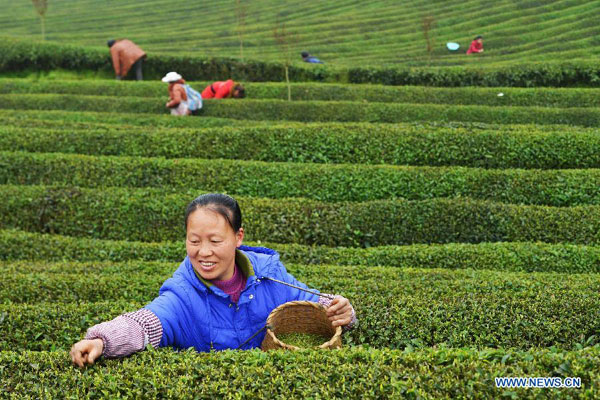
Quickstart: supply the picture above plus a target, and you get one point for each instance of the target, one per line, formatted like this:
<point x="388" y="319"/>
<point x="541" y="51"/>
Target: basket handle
<point x="298" y="287"/>
<point x="267" y="326"/>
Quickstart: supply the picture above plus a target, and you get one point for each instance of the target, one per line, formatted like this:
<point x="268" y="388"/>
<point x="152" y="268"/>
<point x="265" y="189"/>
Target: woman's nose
<point x="204" y="250"/>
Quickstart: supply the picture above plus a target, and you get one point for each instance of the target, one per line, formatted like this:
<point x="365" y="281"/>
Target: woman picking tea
<point x="218" y="298"/>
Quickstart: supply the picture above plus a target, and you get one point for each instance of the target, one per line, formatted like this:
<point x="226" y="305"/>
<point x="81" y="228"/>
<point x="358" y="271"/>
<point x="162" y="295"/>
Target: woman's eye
<point x="216" y="241"/>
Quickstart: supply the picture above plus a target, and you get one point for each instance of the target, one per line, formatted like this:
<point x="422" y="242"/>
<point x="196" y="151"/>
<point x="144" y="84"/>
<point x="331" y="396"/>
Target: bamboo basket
<point x="300" y="317"/>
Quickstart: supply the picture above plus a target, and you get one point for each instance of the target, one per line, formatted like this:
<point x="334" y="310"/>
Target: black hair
<point x="304" y="54"/>
<point x="111" y="42"/>
<point x="220" y="203"/>
<point x="478" y="37"/>
<point x="241" y="91"/>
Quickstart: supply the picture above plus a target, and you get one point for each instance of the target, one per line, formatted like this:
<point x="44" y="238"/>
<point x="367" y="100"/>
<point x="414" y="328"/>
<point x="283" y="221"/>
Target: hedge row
<point x="396" y="144"/>
<point x="510" y="257"/>
<point x="542" y="97"/>
<point x="314" y="111"/>
<point x="19" y="55"/>
<point x="157" y="215"/>
<point x="329" y="183"/>
<point x="72" y="120"/>
<point x="347" y="373"/>
<point x="57" y="119"/>
<point x="26" y="55"/>
<point x="396" y="307"/>
<point x="531" y="74"/>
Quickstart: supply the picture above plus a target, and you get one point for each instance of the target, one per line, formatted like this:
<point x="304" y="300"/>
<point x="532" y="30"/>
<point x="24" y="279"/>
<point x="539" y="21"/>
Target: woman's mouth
<point x="207" y="266"/>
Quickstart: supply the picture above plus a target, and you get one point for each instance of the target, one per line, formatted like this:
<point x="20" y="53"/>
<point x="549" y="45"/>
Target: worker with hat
<point x="178" y="98"/>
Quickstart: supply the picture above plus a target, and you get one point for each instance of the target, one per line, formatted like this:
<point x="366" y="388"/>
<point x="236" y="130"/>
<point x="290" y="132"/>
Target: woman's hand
<point x="86" y="352"/>
<point x="339" y="311"/>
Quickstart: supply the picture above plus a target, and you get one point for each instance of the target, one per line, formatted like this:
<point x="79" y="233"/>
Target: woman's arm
<point x="128" y="333"/>
<point x="339" y="310"/>
<point x="123" y="336"/>
<point x="176" y="96"/>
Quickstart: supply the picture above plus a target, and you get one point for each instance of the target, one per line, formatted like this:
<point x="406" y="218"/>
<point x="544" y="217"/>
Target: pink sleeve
<point x="325" y="302"/>
<point x="128" y="333"/>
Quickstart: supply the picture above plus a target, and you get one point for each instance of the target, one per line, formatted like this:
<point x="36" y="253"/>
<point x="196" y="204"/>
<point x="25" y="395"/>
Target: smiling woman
<point x="213" y="225"/>
<point x="218" y="298"/>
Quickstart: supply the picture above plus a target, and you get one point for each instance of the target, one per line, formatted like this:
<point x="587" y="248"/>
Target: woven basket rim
<point x="326" y="345"/>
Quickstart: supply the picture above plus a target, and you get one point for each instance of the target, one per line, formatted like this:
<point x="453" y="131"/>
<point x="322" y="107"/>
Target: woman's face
<point x="211" y="243"/>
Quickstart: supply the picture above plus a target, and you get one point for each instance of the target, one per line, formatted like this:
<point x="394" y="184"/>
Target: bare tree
<point x="284" y="39"/>
<point x="428" y="25"/>
<point x="40" y="7"/>
<point x="241" y="9"/>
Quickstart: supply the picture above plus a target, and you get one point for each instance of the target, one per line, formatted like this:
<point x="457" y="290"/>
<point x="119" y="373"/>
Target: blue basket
<point x="452" y="46"/>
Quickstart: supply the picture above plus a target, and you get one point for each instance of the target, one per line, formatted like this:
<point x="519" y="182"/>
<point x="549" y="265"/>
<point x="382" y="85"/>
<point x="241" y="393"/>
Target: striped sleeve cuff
<point x="150" y="324"/>
<point x="128" y="333"/>
<point x="326" y="302"/>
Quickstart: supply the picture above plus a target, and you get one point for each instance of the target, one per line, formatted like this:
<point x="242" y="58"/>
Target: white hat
<point x="171" y="77"/>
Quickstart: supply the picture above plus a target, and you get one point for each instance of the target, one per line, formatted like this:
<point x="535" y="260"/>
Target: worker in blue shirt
<point x="306" y="57"/>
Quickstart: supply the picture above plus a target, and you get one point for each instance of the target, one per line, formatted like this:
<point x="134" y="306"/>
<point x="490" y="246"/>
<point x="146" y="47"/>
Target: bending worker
<point x="224" y="89"/>
<point x="178" y="99"/>
<point x="125" y="55"/>
<point x="306" y="57"/>
<point x="476" y="45"/>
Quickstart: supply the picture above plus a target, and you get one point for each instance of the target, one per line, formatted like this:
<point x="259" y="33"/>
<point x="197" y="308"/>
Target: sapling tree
<point x="284" y="39"/>
<point x="240" y="12"/>
<point x="428" y="25"/>
<point x="40" y="7"/>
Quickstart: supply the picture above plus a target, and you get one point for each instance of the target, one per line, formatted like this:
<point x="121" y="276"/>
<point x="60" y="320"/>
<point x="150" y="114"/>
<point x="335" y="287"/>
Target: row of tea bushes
<point x="501" y="256"/>
<point x="26" y="55"/>
<point x="346" y="373"/>
<point x="313" y="111"/>
<point x="528" y="257"/>
<point x="541" y="97"/>
<point x="67" y="120"/>
<point x="329" y="183"/>
<point x="519" y="146"/>
<point x="396" y="307"/>
<point x="17" y="55"/>
<point x="153" y="215"/>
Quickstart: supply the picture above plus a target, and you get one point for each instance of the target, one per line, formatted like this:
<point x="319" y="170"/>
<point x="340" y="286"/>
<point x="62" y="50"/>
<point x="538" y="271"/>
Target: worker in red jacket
<point x="224" y="89"/>
<point x="125" y="55"/>
<point x="476" y="45"/>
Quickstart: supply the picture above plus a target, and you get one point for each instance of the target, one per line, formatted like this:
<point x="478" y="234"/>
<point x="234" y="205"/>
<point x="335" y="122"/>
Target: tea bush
<point x="501" y="256"/>
<point x="329" y="183"/>
<point x="116" y="213"/>
<point x="314" y="111"/>
<point x="485" y="146"/>
<point x="396" y="307"/>
<point x="366" y="372"/>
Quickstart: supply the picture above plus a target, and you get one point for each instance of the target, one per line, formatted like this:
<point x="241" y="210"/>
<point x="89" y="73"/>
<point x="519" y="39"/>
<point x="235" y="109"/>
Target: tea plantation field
<point x="464" y="227"/>
<point x="341" y="32"/>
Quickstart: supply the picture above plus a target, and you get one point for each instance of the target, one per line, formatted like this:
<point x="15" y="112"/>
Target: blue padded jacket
<point x="194" y="314"/>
